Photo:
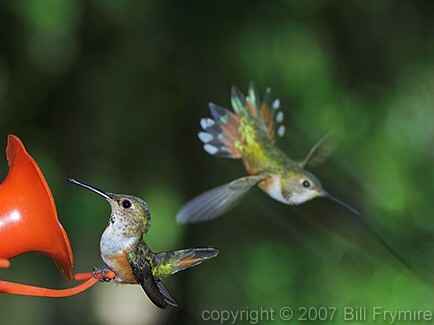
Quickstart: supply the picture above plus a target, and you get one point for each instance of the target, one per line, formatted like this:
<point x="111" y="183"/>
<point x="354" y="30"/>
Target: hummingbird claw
<point x="104" y="275"/>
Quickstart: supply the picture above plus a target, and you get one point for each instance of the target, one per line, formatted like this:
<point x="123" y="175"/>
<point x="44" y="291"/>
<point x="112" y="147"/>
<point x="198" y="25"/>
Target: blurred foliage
<point x="111" y="93"/>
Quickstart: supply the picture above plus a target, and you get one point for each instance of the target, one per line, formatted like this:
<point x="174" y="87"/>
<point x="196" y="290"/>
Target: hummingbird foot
<point x="104" y="275"/>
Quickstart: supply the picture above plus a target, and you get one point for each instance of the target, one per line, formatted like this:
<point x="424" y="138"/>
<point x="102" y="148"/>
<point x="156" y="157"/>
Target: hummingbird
<point x="125" y="252"/>
<point x="249" y="134"/>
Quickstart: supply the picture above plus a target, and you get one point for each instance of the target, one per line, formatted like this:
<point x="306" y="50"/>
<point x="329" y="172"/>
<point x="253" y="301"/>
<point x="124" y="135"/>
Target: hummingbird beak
<point x="331" y="197"/>
<point x="93" y="189"/>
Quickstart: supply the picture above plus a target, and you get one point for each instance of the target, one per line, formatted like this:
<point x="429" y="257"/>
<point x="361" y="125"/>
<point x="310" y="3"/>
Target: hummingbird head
<point x="302" y="186"/>
<point x="129" y="213"/>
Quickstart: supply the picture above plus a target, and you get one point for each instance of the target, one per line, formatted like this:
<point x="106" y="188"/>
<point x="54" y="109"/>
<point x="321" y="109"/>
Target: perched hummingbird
<point x="125" y="252"/>
<point x="249" y="134"/>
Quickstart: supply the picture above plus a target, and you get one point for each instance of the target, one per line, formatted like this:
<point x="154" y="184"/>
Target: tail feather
<point x="221" y="136"/>
<point x="168" y="263"/>
<point x="271" y="116"/>
<point x="195" y="256"/>
<point x="239" y="102"/>
<point x="221" y="133"/>
<point x="228" y="123"/>
<point x="253" y="101"/>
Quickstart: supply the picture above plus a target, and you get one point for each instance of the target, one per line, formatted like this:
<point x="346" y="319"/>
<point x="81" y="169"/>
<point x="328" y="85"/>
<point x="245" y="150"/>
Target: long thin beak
<point x="93" y="189"/>
<point x="327" y="195"/>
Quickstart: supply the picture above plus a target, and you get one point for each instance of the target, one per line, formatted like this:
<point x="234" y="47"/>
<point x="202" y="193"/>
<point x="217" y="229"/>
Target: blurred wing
<point x="217" y="201"/>
<point x="155" y="290"/>
<point x="320" y="151"/>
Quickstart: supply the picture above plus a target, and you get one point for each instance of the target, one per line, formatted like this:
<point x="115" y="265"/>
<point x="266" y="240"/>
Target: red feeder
<point x="29" y="223"/>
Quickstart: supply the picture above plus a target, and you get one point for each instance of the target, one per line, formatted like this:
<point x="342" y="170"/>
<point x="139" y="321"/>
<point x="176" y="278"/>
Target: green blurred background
<point x="111" y="93"/>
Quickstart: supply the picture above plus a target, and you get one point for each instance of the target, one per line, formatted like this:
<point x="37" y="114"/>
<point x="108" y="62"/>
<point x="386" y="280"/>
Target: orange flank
<point x="188" y="261"/>
<point x="120" y="265"/>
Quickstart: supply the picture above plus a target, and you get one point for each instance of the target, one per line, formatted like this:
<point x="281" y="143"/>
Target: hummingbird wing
<point x="142" y="271"/>
<point x="217" y="201"/>
<point x="166" y="294"/>
<point x="319" y="152"/>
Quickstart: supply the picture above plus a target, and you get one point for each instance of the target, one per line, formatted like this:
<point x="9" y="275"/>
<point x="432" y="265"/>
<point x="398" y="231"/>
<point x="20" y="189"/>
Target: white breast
<point x="275" y="190"/>
<point x="114" y="243"/>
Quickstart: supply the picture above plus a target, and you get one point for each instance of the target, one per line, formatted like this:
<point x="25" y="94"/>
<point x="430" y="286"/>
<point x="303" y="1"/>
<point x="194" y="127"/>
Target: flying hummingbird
<point x="249" y="134"/>
<point x="125" y="252"/>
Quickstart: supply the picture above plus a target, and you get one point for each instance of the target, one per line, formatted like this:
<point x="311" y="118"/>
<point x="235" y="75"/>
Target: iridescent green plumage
<point x="149" y="268"/>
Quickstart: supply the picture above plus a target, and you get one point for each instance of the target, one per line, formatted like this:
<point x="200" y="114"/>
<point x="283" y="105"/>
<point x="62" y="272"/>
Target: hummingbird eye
<point x="306" y="183"/>
<point x="126" y="204"/>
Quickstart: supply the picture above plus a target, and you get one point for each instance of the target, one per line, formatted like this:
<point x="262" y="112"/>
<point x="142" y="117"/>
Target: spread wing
<point x="142" y="271"/>
<point x="218" y="201"/>
<point x="320" y="151"/>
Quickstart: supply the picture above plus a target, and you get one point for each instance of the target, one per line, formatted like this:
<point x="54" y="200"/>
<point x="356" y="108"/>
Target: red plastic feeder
<point x="29" y="223"/>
